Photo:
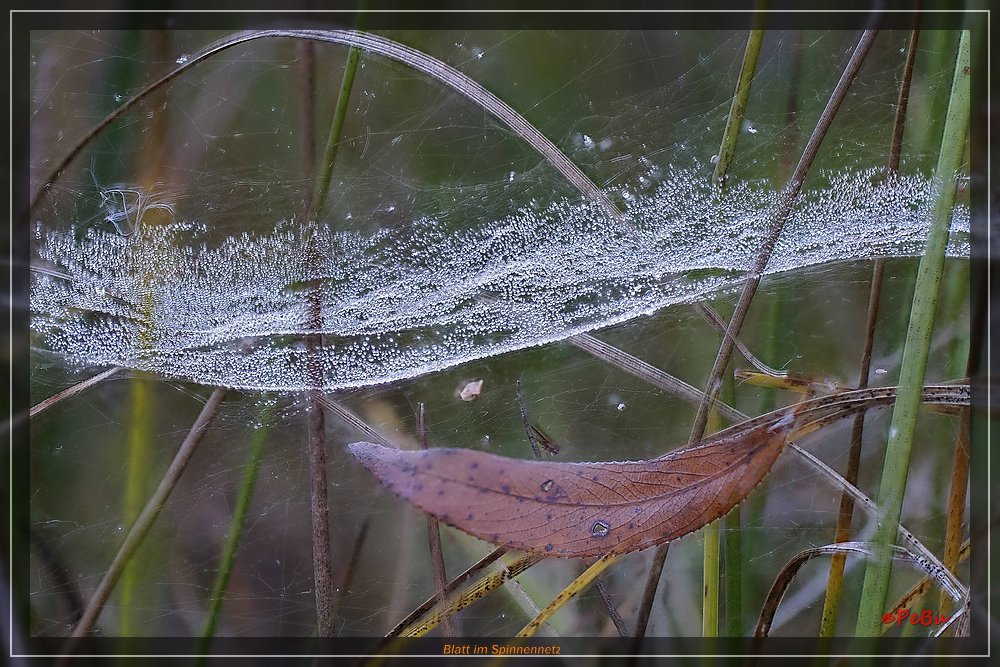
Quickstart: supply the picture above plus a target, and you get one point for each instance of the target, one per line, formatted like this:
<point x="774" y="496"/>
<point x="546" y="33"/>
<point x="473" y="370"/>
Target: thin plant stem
<point x="733" y="538"/>
<point x="140" y="434"/>
<point x="727" y="150"/>
<point x="434" y="537"/>
<point x="717" y="323"/>
<point x="914" y="363"/>
<point x="834" y="586"/>
<point x="148" y="516"/>
<point x="616" y="618"/>
<point x="776" y="224"/>
<point x="711" y="561"/>
<point x="710" y="580"/>
<point x="429" y="603"/>
<point x="236" y="528"/>
<point x="336" y="128"/>
<point x="568" y="594"/>
<point x="69" y="392"/>
<point x="347" y="575"/>
<point x="316" y="422"/>
<point x="476" y="591"/>
<point x="649" y="595"/>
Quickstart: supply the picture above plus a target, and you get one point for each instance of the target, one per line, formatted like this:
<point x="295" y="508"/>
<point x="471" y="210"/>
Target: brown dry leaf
<point x="580" y="509"/>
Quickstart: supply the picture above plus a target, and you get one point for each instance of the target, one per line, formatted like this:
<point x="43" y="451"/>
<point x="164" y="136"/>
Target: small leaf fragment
<point x="580" y="509"/>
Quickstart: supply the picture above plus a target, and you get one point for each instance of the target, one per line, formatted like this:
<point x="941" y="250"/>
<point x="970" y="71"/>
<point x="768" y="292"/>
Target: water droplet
<point x="600" y="529"/>
<point x="547" y="484"/>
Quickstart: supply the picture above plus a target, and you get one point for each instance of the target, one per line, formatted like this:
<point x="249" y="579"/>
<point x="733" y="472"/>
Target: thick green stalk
<point x="136" y="490"/>
<point x="914" y="364"/>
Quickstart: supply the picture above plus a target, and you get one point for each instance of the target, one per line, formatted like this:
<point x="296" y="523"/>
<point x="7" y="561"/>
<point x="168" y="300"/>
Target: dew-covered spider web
<point x="154" y="286"/>
<point x="448" y="260"/>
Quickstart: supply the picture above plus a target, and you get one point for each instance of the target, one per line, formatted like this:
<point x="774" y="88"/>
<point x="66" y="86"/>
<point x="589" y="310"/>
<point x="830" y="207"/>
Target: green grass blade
<point x="336" y="126"/>
<point x="914" y="364"/>
<point x="236" y="528"/>
<point x="732" y="132"/>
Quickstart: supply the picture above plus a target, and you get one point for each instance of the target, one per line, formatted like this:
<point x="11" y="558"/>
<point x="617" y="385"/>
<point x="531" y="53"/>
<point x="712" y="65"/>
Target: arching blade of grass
<point x="921" y="588"/>
<point x="861" y="500"/>
<point x="788" y="573"/>
<point x="914" y="363"/>
<point x="236" y="528"/>
<point x="831" y="604"/>
<point x="422" y="62"/>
